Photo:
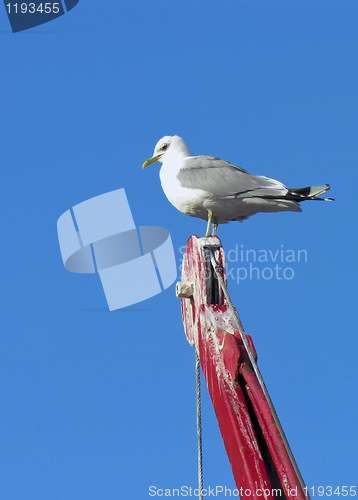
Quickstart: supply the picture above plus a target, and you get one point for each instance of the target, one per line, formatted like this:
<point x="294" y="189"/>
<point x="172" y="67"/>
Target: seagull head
<point x="169" y="146"/>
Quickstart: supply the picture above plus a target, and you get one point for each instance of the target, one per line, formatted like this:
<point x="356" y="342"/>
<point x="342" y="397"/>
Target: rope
<point x="198" y="425"/>
<point x="217" y="270"/>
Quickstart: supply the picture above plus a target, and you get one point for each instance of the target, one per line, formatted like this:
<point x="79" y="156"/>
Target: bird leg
<point x="210" y="216"/>
<point x="215" y="227"/>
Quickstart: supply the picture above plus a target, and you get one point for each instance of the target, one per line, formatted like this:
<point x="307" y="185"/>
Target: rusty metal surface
<point x="254" y="443"/>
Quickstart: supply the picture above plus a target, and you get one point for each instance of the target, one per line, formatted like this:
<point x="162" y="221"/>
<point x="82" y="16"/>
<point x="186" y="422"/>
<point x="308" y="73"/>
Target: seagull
<point x="218" y="191"/>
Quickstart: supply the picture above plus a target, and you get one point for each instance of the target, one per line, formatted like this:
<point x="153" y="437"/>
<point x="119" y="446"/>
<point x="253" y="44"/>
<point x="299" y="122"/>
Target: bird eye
<point x="164" y="147"/>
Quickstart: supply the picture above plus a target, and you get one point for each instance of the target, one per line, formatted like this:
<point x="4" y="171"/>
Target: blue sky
<point x="100" y="405"/>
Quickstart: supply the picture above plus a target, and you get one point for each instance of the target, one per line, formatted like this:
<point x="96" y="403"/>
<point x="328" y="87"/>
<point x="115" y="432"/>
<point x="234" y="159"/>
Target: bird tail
<point x="309" y="193"/>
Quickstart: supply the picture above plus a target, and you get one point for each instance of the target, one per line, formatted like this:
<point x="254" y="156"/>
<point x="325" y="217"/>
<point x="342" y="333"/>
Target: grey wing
<point x="224" y="180"/>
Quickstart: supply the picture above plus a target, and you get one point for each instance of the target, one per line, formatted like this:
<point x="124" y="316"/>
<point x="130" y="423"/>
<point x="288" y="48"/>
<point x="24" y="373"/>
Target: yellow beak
<point x="151" y="160"/>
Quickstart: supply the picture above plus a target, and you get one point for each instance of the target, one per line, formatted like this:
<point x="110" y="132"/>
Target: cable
<point x="198" y="425"/>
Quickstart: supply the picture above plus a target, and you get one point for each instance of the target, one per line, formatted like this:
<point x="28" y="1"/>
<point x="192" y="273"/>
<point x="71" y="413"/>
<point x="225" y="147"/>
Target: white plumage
<point x="205" y="186"/>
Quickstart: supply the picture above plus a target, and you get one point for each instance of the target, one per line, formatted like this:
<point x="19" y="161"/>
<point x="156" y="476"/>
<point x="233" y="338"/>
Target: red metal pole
<point x="262" y="463"/>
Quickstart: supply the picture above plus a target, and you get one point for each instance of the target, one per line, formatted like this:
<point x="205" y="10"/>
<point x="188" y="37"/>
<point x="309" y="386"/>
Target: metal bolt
<point x="184" y="290"/>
